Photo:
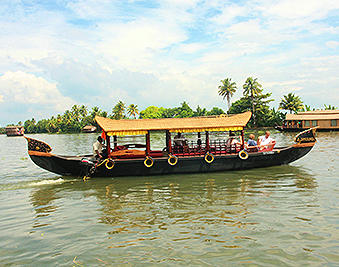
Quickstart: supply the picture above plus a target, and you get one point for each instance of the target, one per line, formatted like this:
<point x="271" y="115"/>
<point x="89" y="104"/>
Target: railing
<point x="216" y="147"/>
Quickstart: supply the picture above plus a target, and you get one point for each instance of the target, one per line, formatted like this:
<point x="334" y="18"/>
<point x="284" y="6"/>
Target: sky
<point x="55" y="54"/>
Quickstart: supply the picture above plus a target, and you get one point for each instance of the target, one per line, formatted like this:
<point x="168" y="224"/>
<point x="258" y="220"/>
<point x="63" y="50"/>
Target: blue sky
<point x="55" y="54"/>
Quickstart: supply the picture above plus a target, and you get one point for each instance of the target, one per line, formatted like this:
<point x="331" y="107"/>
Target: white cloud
<point x="192" y="48"/>
<point x="297" y="9"/>
<point x="332" y="44"/>
<point x="96" y="52"/>
<point x="20" y="88"/>
<point x="229" y="14"/>
<point x="137" y="44"/>
<point x="89" y="9"/>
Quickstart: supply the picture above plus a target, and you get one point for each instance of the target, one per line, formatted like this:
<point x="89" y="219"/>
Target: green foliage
<point x="184" y="111"/>
<point x="200" y="112"/>
<point x="252" y="89"/>
<point x="291" y="102"/>
<point x="132" y="110"/>
<point x="215" y="111"/>
<point x="168" y="112"/>
<point x="152" y="112"/>
<point x="30" y="126"/>
<point x="227" y="90"/>
<point x="306" y="108"/>
<point x="329" y="107"/>
<point x="276" y="117"/>
<point x="256" y="101"/>
<point x="242" y="105"/>
<point x="118" y="111"/>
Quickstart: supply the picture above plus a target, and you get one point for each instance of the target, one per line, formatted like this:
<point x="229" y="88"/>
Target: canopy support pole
<point x="242" y="140"/>
<point x="148" y="144"/>
<point x="115" y="141"/>
<point x="207" y="141"/>
<point x="108" y="146"/>
<point x="168" y="142"/>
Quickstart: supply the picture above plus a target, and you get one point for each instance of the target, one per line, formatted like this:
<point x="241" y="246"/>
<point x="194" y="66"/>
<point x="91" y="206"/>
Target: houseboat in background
<point x="89" y="129"/>
<point x="15" y="130"/>
<point x="325" y="120"/>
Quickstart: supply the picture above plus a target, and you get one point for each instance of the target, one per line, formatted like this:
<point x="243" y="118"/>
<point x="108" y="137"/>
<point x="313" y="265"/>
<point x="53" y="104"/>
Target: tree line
<point x="254" y="99"/>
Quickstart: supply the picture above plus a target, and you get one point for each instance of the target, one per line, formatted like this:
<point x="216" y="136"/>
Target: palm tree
<point x="291" y="102"/>
<point x="95" y="112"/>
<point x="227" y="90"/>
<point x="306" y="108"/>
<point x="199" y="112"/>
<point x="329" y="107"/>
<point x="118" y="110"/>
<point x="132" y="110"/>
<point x="252" y="88"/>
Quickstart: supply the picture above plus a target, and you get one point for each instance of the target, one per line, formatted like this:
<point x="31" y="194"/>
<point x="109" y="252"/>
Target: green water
<point x="277" y="216"/>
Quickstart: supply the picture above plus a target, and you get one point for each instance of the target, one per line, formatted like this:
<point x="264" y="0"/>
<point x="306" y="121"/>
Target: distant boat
<point x="325" y="120"/>
<point x="204" y="153"/>
<point x="89" y="129"/>
<point x="15" y="130"/>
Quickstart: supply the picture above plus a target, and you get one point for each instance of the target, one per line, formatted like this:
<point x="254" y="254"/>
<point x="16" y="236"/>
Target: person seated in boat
<point x="265" y="141"/>
<point x="98" y="147"/>
<point x="232" y="144"/>
<point x="181" y="142"/>
<point x="251" y="145"/>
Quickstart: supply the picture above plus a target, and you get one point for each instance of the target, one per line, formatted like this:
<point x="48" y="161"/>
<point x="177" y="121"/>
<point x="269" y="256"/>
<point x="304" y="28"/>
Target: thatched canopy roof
<point x="14" y="127"/>
<point x="183" y="125"/>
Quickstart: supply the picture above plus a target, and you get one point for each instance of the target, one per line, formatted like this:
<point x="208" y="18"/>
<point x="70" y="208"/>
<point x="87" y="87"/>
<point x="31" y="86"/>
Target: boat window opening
<point x="155" y="145"/>
<point x="215" y="143"/>
<point x="314" y="123"/>
<point x="307" y="123"/>
<point x="333" y="122"/>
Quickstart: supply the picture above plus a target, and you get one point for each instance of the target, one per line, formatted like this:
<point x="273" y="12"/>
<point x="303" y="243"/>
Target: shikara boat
<point x="204" y="153"/>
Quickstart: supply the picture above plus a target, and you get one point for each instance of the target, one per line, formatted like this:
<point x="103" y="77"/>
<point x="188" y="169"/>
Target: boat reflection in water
<point x="139" y="205"/>
<point x="189" y="219"/>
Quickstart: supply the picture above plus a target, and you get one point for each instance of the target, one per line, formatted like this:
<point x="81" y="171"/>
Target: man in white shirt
<point x="265" y="139"/>
<point x="97" y="148"/>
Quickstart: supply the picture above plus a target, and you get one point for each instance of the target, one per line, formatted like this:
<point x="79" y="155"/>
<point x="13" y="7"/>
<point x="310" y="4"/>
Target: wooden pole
<point x="115" y="138"/>
<point x="207" y="141"/>
<point x="108" y="146"/>
<point x="148" y="144"/>
<point x="168" y="141"/>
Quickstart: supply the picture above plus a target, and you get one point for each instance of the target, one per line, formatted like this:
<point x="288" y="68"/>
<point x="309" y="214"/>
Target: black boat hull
<point x="73" y="166"/>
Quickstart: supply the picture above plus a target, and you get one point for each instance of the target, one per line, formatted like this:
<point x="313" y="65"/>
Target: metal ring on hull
<point x="172" y="160"/>
<point x="109" y="164"/>
<point x="243" y="154"/>
<point x="209" y="157"/>
<point x="148" y="162"/>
